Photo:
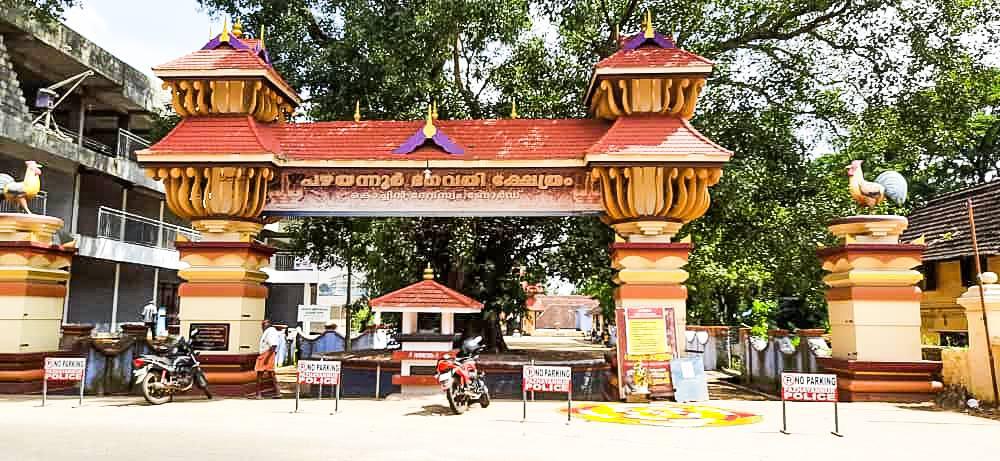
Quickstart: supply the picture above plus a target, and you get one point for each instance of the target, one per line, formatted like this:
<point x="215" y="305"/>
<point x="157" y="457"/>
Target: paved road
<point x="126" y="429"/>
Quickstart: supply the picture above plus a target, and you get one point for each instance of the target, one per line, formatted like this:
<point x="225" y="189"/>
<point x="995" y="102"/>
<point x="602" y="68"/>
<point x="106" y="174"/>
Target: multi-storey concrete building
<point x="90" y="180"/>
<point x="117" y="214"/>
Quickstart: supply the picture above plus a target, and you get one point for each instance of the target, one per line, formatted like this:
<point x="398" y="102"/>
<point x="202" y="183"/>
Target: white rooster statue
<point x="22" y="191"/>
<point x="889" y="184"/>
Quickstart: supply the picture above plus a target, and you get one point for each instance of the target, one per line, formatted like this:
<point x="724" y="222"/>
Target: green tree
<point x="791" y="77"/>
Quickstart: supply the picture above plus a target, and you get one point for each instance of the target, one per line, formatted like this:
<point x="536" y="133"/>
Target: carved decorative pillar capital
<point x="648" y="203"/>
<point x="215" y="192"/>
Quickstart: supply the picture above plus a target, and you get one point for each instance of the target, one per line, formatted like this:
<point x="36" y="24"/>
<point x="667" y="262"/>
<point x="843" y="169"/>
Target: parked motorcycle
<point x="460" y="378"/>
<point x="160" y="376"/>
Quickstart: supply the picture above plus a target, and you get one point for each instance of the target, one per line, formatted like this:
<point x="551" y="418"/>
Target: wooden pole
<point x="982" y="303"/>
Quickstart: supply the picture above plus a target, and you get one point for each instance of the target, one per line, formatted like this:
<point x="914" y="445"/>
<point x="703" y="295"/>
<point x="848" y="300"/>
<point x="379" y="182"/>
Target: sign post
<point x="318" y="372"/>
<point x="809" y="387"/>
<point x="64" y="370"/>
<point x="547" y="379"/>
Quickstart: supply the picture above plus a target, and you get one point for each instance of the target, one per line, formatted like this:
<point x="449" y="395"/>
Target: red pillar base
<point x="21" y="373"/>
<point x="902" y="382"/>
<point x="232" y="375"/>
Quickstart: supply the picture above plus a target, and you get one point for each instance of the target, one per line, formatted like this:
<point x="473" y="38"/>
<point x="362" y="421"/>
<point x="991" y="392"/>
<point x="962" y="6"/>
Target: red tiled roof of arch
<point x="481" y="139"/>
<point x="653" y="56"/>
<point x="428" y="294"/>
<point x="655" y="134"/>
<point x="219" y="134"/>
<point x="223" y="58"/>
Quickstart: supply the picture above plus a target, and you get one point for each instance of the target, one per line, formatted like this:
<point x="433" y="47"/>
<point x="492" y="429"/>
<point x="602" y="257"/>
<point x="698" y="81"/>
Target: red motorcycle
<point x="460" y="378"/>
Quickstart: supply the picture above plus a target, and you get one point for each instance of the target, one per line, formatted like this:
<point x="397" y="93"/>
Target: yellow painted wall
<point x="938" y="309"/>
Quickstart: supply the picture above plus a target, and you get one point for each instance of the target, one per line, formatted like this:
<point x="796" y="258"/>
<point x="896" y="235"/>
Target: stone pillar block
<point x="874" y="312"/>
<point x="224" y="293"/>
<point x="979" y="380"/>
<point x="650" y="282"/>
<point x="33" y="275"/>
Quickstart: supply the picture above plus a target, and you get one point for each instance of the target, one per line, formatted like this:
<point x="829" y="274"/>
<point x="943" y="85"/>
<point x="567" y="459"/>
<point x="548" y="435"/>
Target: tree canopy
<point x="800" y="88"/>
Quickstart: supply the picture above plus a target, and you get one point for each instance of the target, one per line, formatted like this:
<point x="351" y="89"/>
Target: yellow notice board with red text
<point x="646" y="346"/>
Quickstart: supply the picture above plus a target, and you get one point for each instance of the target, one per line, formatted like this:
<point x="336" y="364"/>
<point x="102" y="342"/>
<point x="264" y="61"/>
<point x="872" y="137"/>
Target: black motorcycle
<point x="160" y="376"/>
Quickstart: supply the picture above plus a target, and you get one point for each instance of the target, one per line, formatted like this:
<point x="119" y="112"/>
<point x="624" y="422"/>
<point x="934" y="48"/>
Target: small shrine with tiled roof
<point x="428" y="309"/>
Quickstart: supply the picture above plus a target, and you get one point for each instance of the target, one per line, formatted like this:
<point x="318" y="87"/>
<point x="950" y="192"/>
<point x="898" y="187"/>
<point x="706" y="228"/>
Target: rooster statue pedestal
<point x="33" y="275"/>
<point x="874" y="312"/>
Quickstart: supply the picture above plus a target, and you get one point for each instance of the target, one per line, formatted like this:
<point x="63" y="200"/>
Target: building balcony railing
<point x="127" y="143"/>
<point x="291" y="262"/>
<point x="37" y="205"/>
<point x="132" y="228"/>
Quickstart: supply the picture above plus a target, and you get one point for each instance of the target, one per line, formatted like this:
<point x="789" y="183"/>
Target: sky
<point x="143" y="33"/>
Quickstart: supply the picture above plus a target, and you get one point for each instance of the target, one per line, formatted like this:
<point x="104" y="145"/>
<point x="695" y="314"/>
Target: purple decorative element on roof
<point x="640" y="39"/>
<point x="419" y="138"/>
<point x="238" y="44"/>
<point x="233" y="42"/>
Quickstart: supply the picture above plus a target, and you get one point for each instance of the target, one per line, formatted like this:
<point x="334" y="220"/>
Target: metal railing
<point x="37" y="205"/>
<point x="285" y="261"/>
<point x="129" y="142"/>
<point x="132" y="228"/>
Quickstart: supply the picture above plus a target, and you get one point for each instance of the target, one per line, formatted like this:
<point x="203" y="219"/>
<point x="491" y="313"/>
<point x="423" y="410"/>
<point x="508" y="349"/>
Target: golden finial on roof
<point x="429" y="272"/>
<point x="434" y="106"/>
<point x="429" y="129"/>
<point x="261" y="37"/>
<point x="224" y="36"/>
<point x="237" y="29"/>
<point x="922" y="240"/>
<point x="357" y="111"/>
<point x="210" y="36"/>
<point x="648" y="25"/>
<point x="513" y="109"/>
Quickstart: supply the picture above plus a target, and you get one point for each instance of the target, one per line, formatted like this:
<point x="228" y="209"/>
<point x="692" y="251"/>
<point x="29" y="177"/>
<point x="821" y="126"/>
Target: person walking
<point x="149" y="317"/>
<point x="270" y="339"/>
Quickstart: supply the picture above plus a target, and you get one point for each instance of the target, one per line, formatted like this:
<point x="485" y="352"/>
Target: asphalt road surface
<point x="415" y="430"/>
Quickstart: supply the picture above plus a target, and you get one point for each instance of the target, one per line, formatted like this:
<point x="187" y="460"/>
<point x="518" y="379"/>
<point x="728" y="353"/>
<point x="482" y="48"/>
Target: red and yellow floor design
<point x="664" y="414"/>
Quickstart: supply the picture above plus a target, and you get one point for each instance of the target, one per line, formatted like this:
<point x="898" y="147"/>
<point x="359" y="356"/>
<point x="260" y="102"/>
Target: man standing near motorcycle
<point x="269" y="342"/>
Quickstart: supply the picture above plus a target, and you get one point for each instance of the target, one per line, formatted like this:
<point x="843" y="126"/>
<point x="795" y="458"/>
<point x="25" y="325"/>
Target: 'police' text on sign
<point x="808" y="387"/>
<point x="319" y="372"/>
<point x="64" y="369"/>
<point x="547" y="379"/>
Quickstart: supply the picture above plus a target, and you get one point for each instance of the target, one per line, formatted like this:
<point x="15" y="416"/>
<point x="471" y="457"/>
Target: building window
<point x="428" y="322"/>
<point x="930" y="271"/>
<point x="968" y="269"/>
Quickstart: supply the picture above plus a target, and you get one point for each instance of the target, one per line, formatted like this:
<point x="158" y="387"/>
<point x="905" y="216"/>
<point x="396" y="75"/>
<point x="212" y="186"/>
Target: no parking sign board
<point x="64" y="369"/>
<point x="809" y="387"/>
<point x="319" y="372"/>
<point x="544" y="378"/>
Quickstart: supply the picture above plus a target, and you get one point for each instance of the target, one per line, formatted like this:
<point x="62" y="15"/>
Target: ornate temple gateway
<point x="234" y="160"/>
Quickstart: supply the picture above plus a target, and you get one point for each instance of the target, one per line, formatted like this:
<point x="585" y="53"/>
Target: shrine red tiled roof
<point x="655" y="134"/>
<point x="220" y="134"/>
<point x="543" y="302"/>
<point x="426" y="294"/>
<point x="654" y="57"/>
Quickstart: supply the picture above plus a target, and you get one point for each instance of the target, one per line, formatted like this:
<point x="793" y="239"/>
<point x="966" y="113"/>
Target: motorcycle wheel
<point x="151" y="395"/>
<point x="457" y="400"/>
<point x="202" y="382"/>
<point x="484" y="398"/>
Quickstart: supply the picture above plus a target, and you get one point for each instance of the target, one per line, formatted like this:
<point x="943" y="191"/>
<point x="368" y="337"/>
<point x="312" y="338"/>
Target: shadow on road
<point x="432" y="410"/>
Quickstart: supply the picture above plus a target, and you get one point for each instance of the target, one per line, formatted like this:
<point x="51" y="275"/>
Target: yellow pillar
<point x="980" y="381"/>
<point x="874" y="312"/>
<point x="224" y="296"/>
<point x="33" y="275"/>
